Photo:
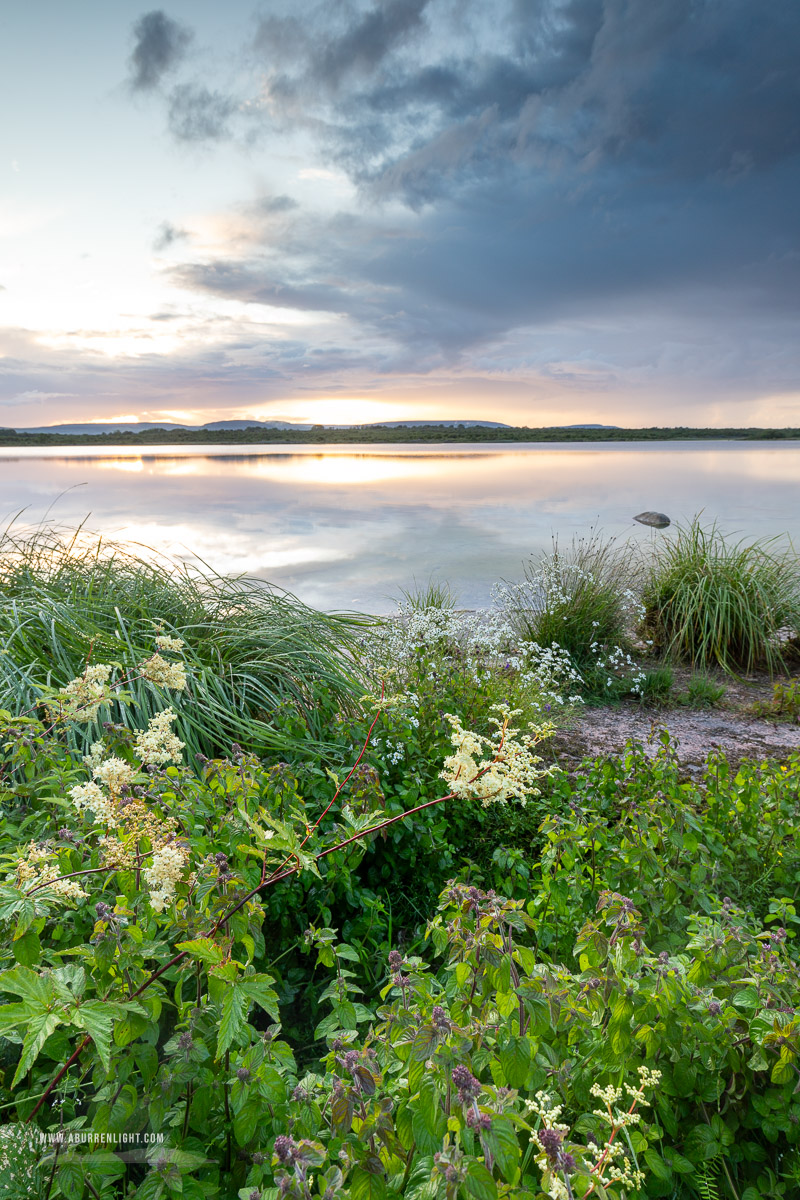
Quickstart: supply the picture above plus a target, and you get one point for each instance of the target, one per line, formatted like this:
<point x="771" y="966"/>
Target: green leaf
<point x="70" y="1180"/>
<point x="204" y="950"/>
<point x="246" y="1122"/>
<point x="233" y="1021"/>
<point x="22" y="981"/>
<point x="258" y="991"/>
<point x="782" y="1072"/>
<point x="97" y="1018"/>
<point x="12" y="1016"/>
<point x="426" y="1039"/>
<point x="657" y="1165"/>
<point x="515" y="1060"/>
<point x="363" y="1185"/>
<point x="27" y="949"/>
<point x="40" y="1025"/>
<point x="480" y="1183"/>
<point x="502" y="1141"/>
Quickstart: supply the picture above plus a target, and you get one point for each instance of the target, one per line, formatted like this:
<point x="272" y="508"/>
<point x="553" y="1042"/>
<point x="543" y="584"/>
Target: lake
<point x="349" y="526"/>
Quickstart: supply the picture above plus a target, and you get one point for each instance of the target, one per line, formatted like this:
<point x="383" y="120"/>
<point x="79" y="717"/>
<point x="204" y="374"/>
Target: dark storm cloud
<point x="692" y="86"/>
<point x="196" y="114"/>
<point x="160" y="44"/>
<point x="556" y="161"/>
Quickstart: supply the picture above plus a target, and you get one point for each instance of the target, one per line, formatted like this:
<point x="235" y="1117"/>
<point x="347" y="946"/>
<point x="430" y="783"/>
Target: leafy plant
<point x="215" y="969"/>
<point x="578" y="597"/>
<point x="784" y="704"/>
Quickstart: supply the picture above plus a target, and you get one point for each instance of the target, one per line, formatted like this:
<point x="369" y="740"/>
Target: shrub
<point x="583" y="602"/>
<point x="713" y="601"/>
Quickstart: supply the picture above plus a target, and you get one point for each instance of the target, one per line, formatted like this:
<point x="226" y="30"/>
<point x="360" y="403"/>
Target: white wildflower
<point x="90" y="796"/>
<point x="97" y="753"/>
<point x="169" y="864"/>
<point x="509" y="770"/>
<point x="39" y="869"/>
<point x="82" y="698"/>
<point x="158" y="745"/>
<point x="115" y="773"/>
<point x="157" y="670"/>
<point x="165" y="642"/>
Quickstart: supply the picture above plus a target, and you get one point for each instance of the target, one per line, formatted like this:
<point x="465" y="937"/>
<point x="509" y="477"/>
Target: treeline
<point x="381" y="434"/>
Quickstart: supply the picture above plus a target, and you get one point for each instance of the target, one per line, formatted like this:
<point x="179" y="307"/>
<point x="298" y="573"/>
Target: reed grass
<point x="265" y="670"/>
<point x="710" y="600"/>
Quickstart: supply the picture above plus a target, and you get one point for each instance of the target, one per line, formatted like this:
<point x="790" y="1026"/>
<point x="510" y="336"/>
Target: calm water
<point x="349" y="526"/>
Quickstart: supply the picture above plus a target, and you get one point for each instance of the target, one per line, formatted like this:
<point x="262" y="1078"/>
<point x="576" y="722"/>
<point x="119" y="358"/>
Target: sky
<point x="532" y="211"/>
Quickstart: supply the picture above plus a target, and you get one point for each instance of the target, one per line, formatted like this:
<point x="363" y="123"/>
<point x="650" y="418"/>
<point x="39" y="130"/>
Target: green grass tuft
<point x="265" y="670"/>
<point x="714" y="601"/>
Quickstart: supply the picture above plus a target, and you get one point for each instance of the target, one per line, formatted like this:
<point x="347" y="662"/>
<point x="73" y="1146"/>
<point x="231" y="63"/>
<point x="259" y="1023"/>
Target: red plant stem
<point x="324" y="812"/>
<point x="72" y="875"/>
<point x="275" y="878"/>
<point x="72" y="1058"/>
<point x="604" y="1156"/>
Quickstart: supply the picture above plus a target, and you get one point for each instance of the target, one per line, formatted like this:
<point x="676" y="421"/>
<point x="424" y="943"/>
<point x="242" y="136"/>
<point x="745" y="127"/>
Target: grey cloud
<point x="258" y="285"/>
<point x="271" y="205"/>
<point x="358" y="48"/>
<point x="168" y="235"/>
<point x="196" y="114"/>
<point x="160" y="44"/>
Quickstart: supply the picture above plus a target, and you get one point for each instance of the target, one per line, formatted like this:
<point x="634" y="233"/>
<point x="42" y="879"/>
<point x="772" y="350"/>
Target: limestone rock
<point x="657" y="520"/>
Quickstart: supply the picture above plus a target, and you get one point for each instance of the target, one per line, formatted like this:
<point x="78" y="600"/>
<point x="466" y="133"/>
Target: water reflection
<point x="350" y="526"/>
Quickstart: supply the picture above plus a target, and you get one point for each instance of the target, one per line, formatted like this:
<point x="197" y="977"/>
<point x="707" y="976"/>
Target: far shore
<point x="388" y="435"/>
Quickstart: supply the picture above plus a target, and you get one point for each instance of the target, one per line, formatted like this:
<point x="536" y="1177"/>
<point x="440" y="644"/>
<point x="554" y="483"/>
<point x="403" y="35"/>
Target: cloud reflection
<point x="351" y="527"/>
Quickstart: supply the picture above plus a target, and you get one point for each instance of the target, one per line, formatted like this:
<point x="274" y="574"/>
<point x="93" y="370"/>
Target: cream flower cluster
<point x="115" y="773"/>
<point x="157" y="669"/>
<point x="39" y="868"/>
<point x="497" y="769"/>
<point x="608" y="1164"/>
<point x="82" y="698"/>
<point x="158" y="745"/>
<point x="90" y="796"/>
<point x="97" y="752"/>
<point x="171" y="644"/>
<point x="169" y="863"/>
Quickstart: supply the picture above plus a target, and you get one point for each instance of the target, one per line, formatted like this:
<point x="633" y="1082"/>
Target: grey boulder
<point x="656" y="520"/>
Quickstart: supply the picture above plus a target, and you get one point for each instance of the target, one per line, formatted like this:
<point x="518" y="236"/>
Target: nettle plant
<point x="132" y="914"/>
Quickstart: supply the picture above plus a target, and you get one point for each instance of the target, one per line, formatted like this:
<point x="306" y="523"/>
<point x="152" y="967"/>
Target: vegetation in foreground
<point x="395" y="953"/>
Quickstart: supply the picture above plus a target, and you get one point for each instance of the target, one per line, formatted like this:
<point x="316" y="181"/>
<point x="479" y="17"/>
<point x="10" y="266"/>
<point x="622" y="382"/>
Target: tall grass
<point x="436" y="593"/>
<point x="265" y="670"/>
<point x="711" y="601"/>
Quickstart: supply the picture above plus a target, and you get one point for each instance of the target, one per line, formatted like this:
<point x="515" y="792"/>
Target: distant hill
<point x="398" y="432"/>
<point x="143" y="426"/>
<point x="92" y="427"/>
